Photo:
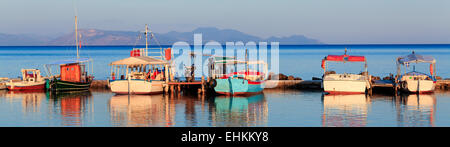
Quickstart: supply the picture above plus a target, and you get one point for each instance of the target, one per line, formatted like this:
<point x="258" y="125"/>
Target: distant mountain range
<point x="104" y="37"/>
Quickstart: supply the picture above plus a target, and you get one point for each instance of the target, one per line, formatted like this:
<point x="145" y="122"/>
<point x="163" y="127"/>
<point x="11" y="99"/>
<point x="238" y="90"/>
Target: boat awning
<point x="70" y="61"/>
<point x="346" y="58"/>
<point x="415" y="58"/>
<point x="229" y="62"/>
<point x="225" y="60"/>
<point x="139" y="60"/>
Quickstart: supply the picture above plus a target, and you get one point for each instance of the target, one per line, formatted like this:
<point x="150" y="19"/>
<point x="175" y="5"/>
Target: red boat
<point x="31" y="80"/>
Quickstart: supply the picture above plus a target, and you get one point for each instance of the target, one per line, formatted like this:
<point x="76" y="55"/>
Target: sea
<point x="275" y="107"/>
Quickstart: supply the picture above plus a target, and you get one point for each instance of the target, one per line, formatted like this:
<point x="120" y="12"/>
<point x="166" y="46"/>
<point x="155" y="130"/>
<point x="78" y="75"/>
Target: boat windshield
<point x="348" y="67"/>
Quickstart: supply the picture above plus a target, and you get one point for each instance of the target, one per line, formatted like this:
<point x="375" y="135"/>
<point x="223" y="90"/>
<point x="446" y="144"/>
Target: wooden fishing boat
<point x="74" y="75"/>
<point x="244" y="82"/>
<point x="31" y="80"/>
<point x="140" y="73"/>
<point x="345" y="83"/>
<point x="414" y="81"/>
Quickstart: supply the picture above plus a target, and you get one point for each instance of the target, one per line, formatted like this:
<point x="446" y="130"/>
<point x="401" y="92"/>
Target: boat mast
<point x="146" y="43"/>
<point x="76" y="37"/>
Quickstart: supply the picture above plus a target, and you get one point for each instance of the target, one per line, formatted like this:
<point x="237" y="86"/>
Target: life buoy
<point x="212" y="83"/>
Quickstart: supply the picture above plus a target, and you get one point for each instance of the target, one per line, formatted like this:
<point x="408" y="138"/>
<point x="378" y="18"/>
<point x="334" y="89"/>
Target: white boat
<point x="31" y="80"/>
<point x="415" y="82"/>
<point x="140" y="73"/>
<point x="143" y="75"/>
<point x="345" y="83"/>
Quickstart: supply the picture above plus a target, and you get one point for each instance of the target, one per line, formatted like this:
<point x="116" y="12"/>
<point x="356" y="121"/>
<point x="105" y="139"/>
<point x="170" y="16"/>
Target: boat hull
<point x="59" y="85"/>
<point x="19" y="86"/>
<point x="136" y="87"/>
<point x="416" y="86"/>
<point x="344" y="86"/>
<point x="237" y="87"/>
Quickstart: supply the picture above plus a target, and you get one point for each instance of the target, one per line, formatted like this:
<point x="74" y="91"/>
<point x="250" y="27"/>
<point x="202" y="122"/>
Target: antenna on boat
<point x="76" y="37"/>
<point x="246" y="62"/>
<point x="146" y="38"/>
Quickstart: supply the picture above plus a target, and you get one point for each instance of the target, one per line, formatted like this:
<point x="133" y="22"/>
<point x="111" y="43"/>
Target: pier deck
<point x="186" y="83"/>
<point x="383" y="83"/>
<point x="285" y="84"/>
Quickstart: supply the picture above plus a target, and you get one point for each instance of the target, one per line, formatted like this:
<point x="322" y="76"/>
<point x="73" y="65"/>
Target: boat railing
<point x="151" y="52"/>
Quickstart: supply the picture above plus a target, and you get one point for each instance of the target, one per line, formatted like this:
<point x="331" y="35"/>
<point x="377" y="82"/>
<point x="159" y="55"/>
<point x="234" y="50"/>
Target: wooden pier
<point x="316" y="84"/>
<point x="178" y="86"/>
<point x="380" y="86"/>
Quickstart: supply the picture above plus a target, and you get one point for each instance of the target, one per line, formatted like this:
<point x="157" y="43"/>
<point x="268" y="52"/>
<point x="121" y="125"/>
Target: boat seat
<point x="330" y="72"/>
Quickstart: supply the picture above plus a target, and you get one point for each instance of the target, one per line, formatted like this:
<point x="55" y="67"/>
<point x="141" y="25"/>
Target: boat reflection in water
<point x="141" y="110"/>
<point x="71" y="106"/>
<point x="240" y="111"/>
<point x="416" y="110"/>
<point x="31" y="100"/>
<point x="345" y="110"/>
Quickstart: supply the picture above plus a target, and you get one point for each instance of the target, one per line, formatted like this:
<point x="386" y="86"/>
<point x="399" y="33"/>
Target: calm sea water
<point x="301" y="61"/>
<point x="273" y="108"/>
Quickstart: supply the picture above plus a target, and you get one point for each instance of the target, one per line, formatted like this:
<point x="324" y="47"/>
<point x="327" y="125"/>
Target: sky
<point x="330" y="21"/>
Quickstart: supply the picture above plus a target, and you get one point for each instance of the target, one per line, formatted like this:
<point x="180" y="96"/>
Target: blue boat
<point x="238" y="85"/>
<point x="245" y="82"/>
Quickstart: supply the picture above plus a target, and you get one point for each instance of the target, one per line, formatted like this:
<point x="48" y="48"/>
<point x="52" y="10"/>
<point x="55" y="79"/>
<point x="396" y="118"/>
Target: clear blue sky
<point x="331" y="21"/>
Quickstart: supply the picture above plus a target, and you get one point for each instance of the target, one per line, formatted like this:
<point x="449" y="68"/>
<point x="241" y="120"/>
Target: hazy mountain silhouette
<point x="105" y="37"/>
<point x="21" y="40"/>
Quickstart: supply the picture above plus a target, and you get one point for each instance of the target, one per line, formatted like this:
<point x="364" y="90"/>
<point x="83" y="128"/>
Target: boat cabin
<point x="73" y="73"/>
<point x="77" y="70"/>
<point x="140" y="68"/>
<point x="414" y="58"/>
<point x="226" y="67"/>
<point x="31" y="75"/>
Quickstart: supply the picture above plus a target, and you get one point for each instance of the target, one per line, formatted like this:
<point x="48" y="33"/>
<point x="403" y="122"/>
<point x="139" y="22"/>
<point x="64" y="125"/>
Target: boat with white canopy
<point x="345" y="83"/>
<point x="140" y="73"/>
<point x="414" y="81"/>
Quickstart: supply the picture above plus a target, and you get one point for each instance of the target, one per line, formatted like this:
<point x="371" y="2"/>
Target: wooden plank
<point x="185" y="83"/>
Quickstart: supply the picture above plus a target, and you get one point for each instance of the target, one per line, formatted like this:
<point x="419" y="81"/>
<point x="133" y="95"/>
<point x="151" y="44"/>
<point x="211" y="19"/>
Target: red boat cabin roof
<point x="346" y="58"/>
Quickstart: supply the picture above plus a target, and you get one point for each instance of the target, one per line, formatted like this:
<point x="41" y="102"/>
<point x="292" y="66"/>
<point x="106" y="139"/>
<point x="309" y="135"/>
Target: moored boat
<point x="141" y="73"/>
<point x="244" y="82"/>
<point x="74" y="75"/>
<point x="414" y="81"/>
<point x="345" y="83"/>
<point x="31" y="80"/>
